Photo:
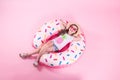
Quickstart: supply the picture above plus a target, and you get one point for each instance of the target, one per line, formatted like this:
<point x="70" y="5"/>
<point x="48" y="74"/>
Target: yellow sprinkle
<point x="75" y="47"/>
<point x="55" y="55"/>
<point x="72" y="60"/>
<point x="45" y="36"/>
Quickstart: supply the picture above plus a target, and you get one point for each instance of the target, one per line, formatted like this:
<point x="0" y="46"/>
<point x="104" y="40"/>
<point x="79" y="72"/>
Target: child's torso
<point x="62" y="40"/>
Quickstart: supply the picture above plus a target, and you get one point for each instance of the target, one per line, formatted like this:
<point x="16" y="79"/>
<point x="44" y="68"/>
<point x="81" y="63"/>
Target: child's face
<point x="72" y="29"/>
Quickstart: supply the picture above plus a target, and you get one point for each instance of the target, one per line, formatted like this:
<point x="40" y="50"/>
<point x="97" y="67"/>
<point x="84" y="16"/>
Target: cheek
<point x="71" y="30"/>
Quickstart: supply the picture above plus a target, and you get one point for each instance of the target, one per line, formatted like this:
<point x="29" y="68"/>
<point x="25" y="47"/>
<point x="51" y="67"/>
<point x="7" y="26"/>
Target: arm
<point x="77" y="38"/>
<point x="51" y="37"/>
<point x="64" y="25"/>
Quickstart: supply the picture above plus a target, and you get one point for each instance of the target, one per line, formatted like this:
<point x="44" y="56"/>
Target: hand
<point x="63" y="23"/>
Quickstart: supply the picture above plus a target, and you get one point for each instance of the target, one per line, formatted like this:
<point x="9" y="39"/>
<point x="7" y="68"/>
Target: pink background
<point x="100" y="20"/>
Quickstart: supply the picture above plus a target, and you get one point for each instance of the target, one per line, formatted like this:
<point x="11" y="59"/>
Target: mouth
<point x="71" y="30"/>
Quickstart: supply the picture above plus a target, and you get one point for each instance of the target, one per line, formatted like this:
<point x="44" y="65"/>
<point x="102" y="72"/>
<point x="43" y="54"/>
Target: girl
<point x="64" y="37"/>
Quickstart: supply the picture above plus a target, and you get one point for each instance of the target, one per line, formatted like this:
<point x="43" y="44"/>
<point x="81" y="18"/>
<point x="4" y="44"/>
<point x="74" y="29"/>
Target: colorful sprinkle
<point x="46" y="60"/>
<point x="75" y="47"/>
<point x="54" y="59"/>
<point x="71" y="44"/>
<point x="36" y="45"/>
<point x="50" y="56"/>
<point x="60" y="54"/>
<point x="63" y="58"/>
<point x="83" y="46"/>
<point x="51" y="64"/>
<point x="68" y="54"/>
<point x="34" y="36"/>
<point x="78" y="44"/>
<point x="57" y="24"/>
<point x="67" y="63"/>
<point x="82" y="50"/>
<point x="39" y="38"/>
<point x="79" y="52"/>
<point x="53" y="28"/>
<point x="75" y="56"/>
<point x="50" y="33"/>
<point x="45" y="23"/>
<point x="56" y="55"/>
<point x="45" y="30"/>
<point x="45" y="36"/>
<point x="48" y="26"/>
<point x="42" y="41"/>
<point x="56" y="20"/>
<point x="72" y="60"/>
<point x="72" y="51"/>
<point x="60" y="62"/>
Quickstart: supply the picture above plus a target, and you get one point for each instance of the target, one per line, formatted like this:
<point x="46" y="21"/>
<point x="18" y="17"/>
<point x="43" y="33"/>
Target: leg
<point x="36" y="51"/>
<point x="45" y="49"/>
<point x="25" y="55"/>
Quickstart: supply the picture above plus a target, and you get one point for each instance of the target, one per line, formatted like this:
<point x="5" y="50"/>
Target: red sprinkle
<point x="72" y="51"/>
<point x="63" y="58"/>
<point x="50" y="56"/>
<point x="82" y="50"/>
<point x="45" y="30"/>
<point x="46" y="60"/>
<point x="48" y="26"/>
<point x="57" y="24"/>
<point x="54" y="59"/>
<point x="56" y="20"/>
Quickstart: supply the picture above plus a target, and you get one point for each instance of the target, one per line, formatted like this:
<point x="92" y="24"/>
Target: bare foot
<point x="24" y="55"/>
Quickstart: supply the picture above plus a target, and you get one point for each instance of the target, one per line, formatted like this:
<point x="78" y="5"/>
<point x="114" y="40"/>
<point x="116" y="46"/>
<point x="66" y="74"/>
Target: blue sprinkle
<point x="50" y="33"/>
<point x="45" y="23"/>
<point x="67" y="63"/>
<point x="75" y="56"/>
<point x="51" y="64"/>
<point x="36" y="45"/>
<point x="52" y="28"/>
<point x="39" y="38"/>
<point x="68" y="54"/>
<point x="80" y="53"/>
<point x="78" y="44"/>
<point x="84" y="46"/>
<point x="60" y="62"/>
<point x="60" y="53"/>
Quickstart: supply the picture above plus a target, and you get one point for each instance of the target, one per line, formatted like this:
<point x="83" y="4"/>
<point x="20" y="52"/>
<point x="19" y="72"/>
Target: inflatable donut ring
<point x="69" y="56"/>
